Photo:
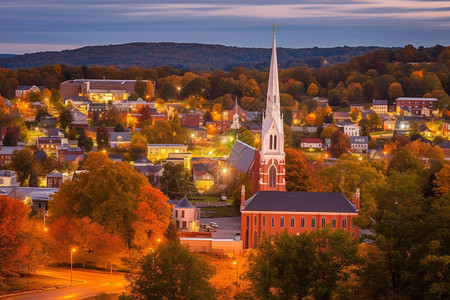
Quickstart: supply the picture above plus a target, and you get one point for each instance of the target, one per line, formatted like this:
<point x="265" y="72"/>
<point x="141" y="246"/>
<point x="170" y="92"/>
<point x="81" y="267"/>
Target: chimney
<point x="242" y="197"/>
<point x="356" y="199"/>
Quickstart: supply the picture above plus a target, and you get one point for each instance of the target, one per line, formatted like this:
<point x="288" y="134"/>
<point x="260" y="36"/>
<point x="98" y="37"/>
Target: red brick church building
<point x="271" y="209"/>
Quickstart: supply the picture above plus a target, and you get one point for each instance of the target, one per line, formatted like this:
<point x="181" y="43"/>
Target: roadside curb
<point x="39" y="290"/>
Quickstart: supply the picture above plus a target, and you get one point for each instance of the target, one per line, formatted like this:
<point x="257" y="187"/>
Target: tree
<point x="404" y="161"/>
<point x="141" y="88"/>
<point x="296" y="170"/>
<point x="442" y="181"/>
<point x="355" y="115"/>
<point x="171" y="233"/>
<point x="85" y="142"/>
<point x="10" y="139"/>
<point x="244" y="180"/>
<point x="102" y="138"/>
<point x="395" y="90"/>
<point x="13" y="217"/>
<point x="172" y="272"/>
<point x="340" y="143"/>
<point x="375" y="121"/>
<point x="328" y="131"/>
<point x="153" y="214"/>
<point x="65" y="120"/>
<point x="197" y="87"/>
<point x="24" y="163"/>
<point x="313" y="90"/>
<point x="251" y="89"/>
<point x="56" y="99"/>
<point x="108" y="194"/>
<point x="175" y="180"/>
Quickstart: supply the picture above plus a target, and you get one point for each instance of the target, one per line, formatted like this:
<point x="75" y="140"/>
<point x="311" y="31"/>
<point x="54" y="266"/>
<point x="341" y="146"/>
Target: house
<point x="156" y="172"/>
<point x="348" y="128"/>
<point x="73" y="159"/>
<point x="14" y="131"/>
<point x="22" y="90"/>
<point x="118" y="139"/>
<point x="180" y="158"/>
<point x="227" y="115"/>
<point x="425" y="131"/>
<point x="203" y="181"/>
<point x="8" y="178"/>
<point x="269" y="212"/>
<point x="79" y="119"/>
<point x="190" y="120"/>
<point x="388" y="122"/>
<point x="313" y="143"/>
<point x="6" y="153"/>
<point x="185" y="215"/>
<point x="54" y="179"/>
<point x="218" y="127"/>
<point x="199" y="135"/>
<point x="91" y="131"/>
<point x="65" y="150"/>
<point x="96" y="110"/>
<point x="341" y="116"/>
<point x="415" y="105"/>
<point x="380" y="106"/>
<point x="115" y="157"/>
<point x="40" y="155"/>
<point x="143" y="165"/>
<point x="158" y="152"/>
<point x="359" y="144"/>
<point x="50" y="144"/>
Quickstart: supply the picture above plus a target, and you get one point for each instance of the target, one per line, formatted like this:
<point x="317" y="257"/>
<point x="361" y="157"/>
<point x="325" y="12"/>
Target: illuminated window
<point x="282" y="222"/>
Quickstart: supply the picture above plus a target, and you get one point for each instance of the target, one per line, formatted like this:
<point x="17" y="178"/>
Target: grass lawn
<point x="221" y="212"/>
<point x="32" y="282"/>
<point x="381" y="132"/>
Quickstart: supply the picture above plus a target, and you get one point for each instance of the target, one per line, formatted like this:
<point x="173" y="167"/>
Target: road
<point x="92" y="283"/>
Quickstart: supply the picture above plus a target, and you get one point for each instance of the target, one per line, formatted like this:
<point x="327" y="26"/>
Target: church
<point x="272" y="209"/>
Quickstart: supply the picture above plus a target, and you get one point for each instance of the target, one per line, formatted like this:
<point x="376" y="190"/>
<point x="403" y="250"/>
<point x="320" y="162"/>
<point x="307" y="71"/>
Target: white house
<point x="359" y="144"/>
<point x="349" y="128"/>
<point x="314" y="143"/>
<point x="185" y="215"/>
<point x="380" y="106"/>
<point x="117" y="139"/>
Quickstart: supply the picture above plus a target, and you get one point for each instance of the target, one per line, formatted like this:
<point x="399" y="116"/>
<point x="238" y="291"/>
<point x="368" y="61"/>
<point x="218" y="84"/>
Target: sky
<point x="28" y="26"/>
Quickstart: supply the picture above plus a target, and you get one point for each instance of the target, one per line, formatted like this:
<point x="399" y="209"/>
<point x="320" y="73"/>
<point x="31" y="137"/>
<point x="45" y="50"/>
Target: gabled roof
<point x="311" y="140"/>
<point x="143" y="160"/>
<point x="241" y="156"/>
<point x="299" y="202"/>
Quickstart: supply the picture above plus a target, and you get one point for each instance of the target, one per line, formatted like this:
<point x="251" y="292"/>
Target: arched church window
<point x="275" y="142"/>
<point x="270" y="144"/>
<point x="272" y="177"/>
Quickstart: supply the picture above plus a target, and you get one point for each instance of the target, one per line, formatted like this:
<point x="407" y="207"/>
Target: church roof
<point x="299" y="202"/>
<point x="241" y="156"/>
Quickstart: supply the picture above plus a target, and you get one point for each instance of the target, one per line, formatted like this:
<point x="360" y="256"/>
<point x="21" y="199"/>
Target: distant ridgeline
<point x="184" y="56"/>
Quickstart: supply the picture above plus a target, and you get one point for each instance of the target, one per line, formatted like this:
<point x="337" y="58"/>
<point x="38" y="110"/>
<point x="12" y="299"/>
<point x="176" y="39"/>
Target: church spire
<point x="272" y="156"/>
<point x="272" y="118"/>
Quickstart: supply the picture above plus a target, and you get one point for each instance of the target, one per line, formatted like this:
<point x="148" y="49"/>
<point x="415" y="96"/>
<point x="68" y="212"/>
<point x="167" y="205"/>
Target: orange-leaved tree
<point x="153" y="213"/>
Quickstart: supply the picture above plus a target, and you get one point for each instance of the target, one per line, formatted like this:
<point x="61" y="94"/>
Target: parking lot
<point x="227" y="227"/>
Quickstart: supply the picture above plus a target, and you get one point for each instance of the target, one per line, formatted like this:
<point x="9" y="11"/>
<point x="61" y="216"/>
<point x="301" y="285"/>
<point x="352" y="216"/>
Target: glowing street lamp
<point x="71" y="262"/>
<point x="224" y="170"/>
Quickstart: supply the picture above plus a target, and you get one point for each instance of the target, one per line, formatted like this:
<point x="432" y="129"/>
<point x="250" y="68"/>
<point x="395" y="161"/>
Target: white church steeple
<point x="272" y="156"/>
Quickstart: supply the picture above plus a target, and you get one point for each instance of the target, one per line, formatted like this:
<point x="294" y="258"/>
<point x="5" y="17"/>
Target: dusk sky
<point x="37" y="25"/>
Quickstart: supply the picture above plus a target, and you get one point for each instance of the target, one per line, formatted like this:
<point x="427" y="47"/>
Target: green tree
<point x="172" y="272"/>
<point x="375" y="121"/>
<point x="65" y="120"/>
<point x="296" y="170"/>
<point x="245" y="180"/>
<point x="251" y="89"/>
<point x="86" y="142"/>
<point x="24" y="163"/>
<point x="141" y="88"/>
<point x="196" y="87"/>
<point x="176" y="180"/>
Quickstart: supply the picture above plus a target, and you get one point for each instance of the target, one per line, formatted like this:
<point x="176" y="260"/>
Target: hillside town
<point x="234" y="160"/>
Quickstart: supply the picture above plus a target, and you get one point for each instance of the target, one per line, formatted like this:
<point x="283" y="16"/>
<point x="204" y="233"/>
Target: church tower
<point x="272" y="156"/>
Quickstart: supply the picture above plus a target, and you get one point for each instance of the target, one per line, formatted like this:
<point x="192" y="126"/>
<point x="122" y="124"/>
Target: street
<point x="93" y="283"/>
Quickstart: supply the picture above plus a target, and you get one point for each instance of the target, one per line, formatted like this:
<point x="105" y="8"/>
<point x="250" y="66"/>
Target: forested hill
<point x="184" y="56"/>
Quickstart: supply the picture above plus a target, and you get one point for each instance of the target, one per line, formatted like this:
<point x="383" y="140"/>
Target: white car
<point x="213" y="225"/>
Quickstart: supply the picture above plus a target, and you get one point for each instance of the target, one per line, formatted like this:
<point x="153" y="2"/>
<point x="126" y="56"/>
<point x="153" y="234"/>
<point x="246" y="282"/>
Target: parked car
<point x="213" y="225"/>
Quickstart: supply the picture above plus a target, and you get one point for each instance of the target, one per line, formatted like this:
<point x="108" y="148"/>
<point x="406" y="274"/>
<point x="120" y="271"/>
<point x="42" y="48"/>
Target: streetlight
<point x="71" y="263"/>
<point x="237" y="272"/>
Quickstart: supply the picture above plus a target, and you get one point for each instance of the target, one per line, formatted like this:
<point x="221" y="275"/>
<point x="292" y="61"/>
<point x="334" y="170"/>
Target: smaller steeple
<point x="236" y="124"/>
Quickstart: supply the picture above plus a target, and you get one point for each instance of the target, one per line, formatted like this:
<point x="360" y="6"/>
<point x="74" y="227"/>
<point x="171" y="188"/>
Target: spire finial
<point x="274" y="29"/>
